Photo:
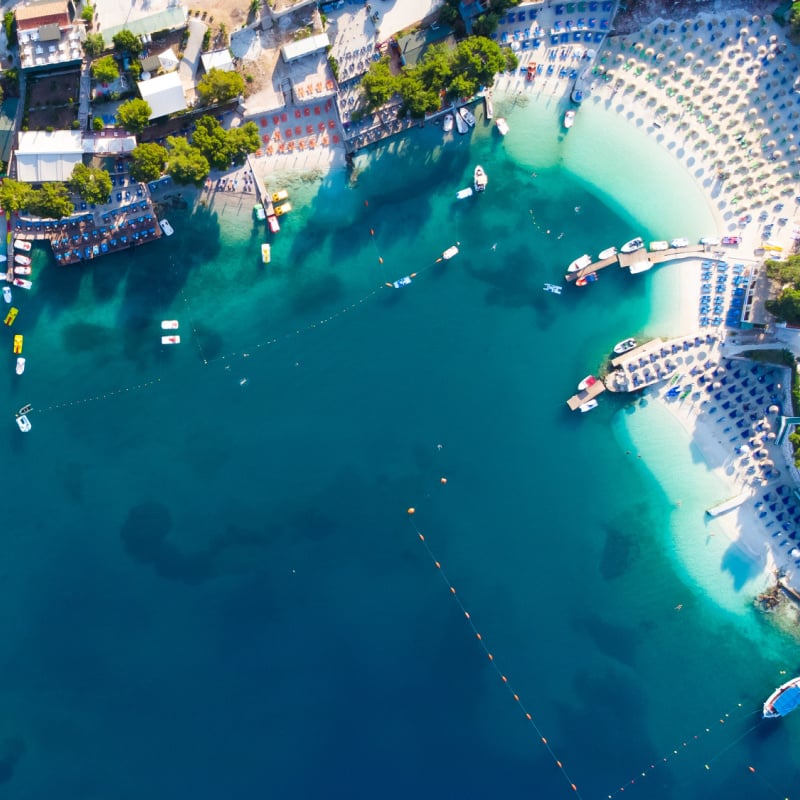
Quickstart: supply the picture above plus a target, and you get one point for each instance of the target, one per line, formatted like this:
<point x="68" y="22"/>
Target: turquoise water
<point x="212" y="587"/>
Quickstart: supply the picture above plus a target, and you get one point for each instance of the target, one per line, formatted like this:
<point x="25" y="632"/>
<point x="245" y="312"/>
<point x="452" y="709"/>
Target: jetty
<point x="728" y="505"/>
<point x="577" y="400"/>
<point x="641" y="259"/>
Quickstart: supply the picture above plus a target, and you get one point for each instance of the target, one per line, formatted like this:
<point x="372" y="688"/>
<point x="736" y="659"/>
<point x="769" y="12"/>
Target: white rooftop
<point x="217" y="59"/>
<point x="304" y="47"/>
<point x="44" y="156"/>
<point x="164" y="94"/>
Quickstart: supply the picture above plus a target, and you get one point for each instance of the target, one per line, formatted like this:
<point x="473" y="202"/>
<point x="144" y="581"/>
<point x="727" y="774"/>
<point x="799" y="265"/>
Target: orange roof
<point x="42" y="12"/>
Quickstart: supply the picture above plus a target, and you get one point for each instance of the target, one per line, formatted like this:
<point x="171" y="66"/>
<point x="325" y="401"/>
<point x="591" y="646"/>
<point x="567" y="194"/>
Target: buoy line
<point x="97" y="397"/>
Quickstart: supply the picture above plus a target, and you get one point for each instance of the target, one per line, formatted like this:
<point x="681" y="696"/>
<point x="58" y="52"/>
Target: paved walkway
<point x="187" y="69"/>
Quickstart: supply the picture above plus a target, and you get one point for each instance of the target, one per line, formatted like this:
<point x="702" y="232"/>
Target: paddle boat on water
<point x="20" y="365"/>
<point x="18" y="341"/>
<point x="259" y="213"/>
<point x="274" y="225"/>
<point x="590" y="278"/>
<point x="632" y="246"/>
<point x="553" y="288"/>
<point x="462" y="194"/>
<point x="266" y="253"/>
<point x="170" y="339"/>
<point x="660" y="245"/>
<point x="284" y="208"/>
<point x="402" y="281"/>
<point x="11" y="316"/>
<point x="679" y="242"/>
<point x="169" y="324"/>
<point x="280" y="196"/>
<point x="569" y="119"/>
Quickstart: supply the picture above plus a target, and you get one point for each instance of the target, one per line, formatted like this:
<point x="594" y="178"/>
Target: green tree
<point x="51" y="201"/>
<point x="97" y="124"/>
<point x="134" y="115"/>
<point x="217" y="86"/>
<point x="435" y="70"/>
<point x="417" y="99"/>
<point x="14" y="195"/>
<point x="787" y="271"/>
<point x="127" y="42"/>
<point x="476" y="61"/>
<point x="10" y="25"/>
<point x="794" y="18"/>
<point x="243" y="140"/>
<point x="186" y="164"/>
<point x="94" y="45"/>
<point x="105" y="69"/>
<point x="87" y="15"/>
<point x="211" y="140"/>
<point x="90" y="183"/>
<point x="379" y="84"/>
<point x="148" y="161"/>
<point x="787" y="306"/>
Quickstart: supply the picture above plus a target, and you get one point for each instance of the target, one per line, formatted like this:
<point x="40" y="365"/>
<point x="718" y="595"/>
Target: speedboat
<point x="580" y="263"/>
<point x="709" y="240"/>
<point x="18" y="340"/>
<point x="280" y="196"/>
<point x="24" y="423"/>
<point x="632" y="246"/>
<point x="169" y="324"/>
<point x="661" y="245"/>
<point x="588" y="406"/>
<point x="7" y="294"/>
<point x="447" y="125"/>
<point x="640" y="266"/>
<point x="784" y="699"/>
<point x="450" y="252"/>
<point x="461" y="125"/>
<point x="166" y="227"/>
<point x="462" y="194"/>
<point x="467" y="116"/>
<point x="22" y="270"/>
<point x="588" y="381"/>
<point x="732" y="240"/>
<point x="284" y="208"/>
<point x="624" y="346"/>
<point x="21" y="244"/>
<point x="583" y="280"/>
<point x="22" y="283"/>
<point x="569" y="119"/>
<point x="607" y="253"/>
<point x="480" y="179"/>
<point x="402" y="281"/>
<point x="679" y="243"/>
<point x="20" y="365"/>
<point x="502" y="126"/>
<point x="170" y="340"/>
<point x="266" y="253"/>
<point x="21" y="259"/>
<point x="553" y="288"/>
<point x="273" y="223"/>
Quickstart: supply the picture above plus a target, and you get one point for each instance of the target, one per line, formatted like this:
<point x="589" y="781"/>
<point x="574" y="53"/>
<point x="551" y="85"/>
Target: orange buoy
<point x="752" y="769"/>
<point x="560" y="765"/>
<point x="505" y="680"/>
<point x="412" y="511"/>
<point x="491" y="657"/>
<point x="452" y="590"/>
<point x="479" y="637"/>
<point x="438" y="565"/>
<point x="443" y="481"/>
<point x="516" y="697"/>
<point x="466" y="614"/>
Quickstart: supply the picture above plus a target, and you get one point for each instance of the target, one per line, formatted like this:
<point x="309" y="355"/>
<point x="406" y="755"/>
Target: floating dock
<point x="728" y="505"/>
<point x="652" y="257"/>
<point x="577" y="400"/>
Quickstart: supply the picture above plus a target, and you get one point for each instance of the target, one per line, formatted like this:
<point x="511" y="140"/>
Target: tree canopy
<point x="128" y="42"/>
<point x="91" y="184"/>
<point x="134" y="115"/>
<point x="786" y="306"/>
<point x="221" y="147"/>
<point x="217" y="86"/>
<point x="148" y="161"/>
<point x="105" y="69"/>
<point x="14" y="195"/>
<point x="379" y="84"/>
<point x="186" y="164"/>
<point x="794" y="18"/>
<point x="51" y="201"/>
<point x="94" y="45"/>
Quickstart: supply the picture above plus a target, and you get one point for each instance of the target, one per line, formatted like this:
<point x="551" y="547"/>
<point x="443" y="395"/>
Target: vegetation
<point x="9" y="23"/>
<point x="14" y="196"/>
<point x="97" y="124"/>
<point x="91" y="184"/>
<point x="794" y="19"/>
<point x="455" y="72"/>
<point x="134" y="115"/>
<point x="51" y="201"/>
<point x="105" y="69"/>
<point x="221" y="147"/>
<point x="127" y="42"/>
<point x="217" y="86"/>
<point x="94" y="45"/>
<point x="87" y="15"/>
<point x="786" y="306"/>
<point x="483" y="25"/>
<point x="148" y="162"/>
<point x="186" y="164"/>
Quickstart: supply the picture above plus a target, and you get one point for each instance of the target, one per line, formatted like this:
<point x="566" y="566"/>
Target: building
<point x="217" y="59"/>
<point x="47" y="38"/>
<point x="164" y="94"/>
<point x="305" y="47"/>
<point x="43" y="156"/>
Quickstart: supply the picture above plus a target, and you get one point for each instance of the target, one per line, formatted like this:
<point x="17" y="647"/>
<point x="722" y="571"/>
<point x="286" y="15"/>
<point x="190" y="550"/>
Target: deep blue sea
<point x="211" y="585"/>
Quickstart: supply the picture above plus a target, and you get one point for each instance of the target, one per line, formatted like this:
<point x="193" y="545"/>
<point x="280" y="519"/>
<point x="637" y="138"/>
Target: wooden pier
<point x="626" y="259"/>
<point x="577" y="400"/>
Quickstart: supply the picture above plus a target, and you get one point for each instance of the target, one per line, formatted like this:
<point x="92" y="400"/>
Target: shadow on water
<point x="621" y="550"/>
<point x="11" y="751"/>
<point x="615" y="641"/>
<point x="740" y="566"/>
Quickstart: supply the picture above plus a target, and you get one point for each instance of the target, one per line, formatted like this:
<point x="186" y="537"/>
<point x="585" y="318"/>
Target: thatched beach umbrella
<point x="752" y="41"/>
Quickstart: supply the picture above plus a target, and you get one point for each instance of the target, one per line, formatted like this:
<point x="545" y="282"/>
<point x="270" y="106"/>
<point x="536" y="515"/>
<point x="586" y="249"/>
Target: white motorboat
<point x="170" y="340"/>
<point x="21" y="244"/>
<point x="580" y="263"/>
<point x="662" y="245"/>
<point x="169" y="324"/>
<point x="24" y="423"/>
<point x="461" y="125"/>
<point x="22" y="270"/>
<point x="588" y="406"/>
<point x="502" y="126"/>
<point x="784" y="699"/>
<point x="632" y="246"/>
<point x="22" y="283"/>
<point x="467" y="116"/>
<point x="447" y="125"/>
<point x="640" y="266"/>
<point x="462" y="194"/>
<point x="480" y="179"/>
<point x="588" y="381"/>
<point x="679" y="243"/>
<point x="607" y="253"/>
<point x="450" y="252"/>
<point x="553" y="288"/>
<point x="20" y="365"/>
<point x="402" y="281"/>
<point x="166" y="227"/>
<point x="569" y="119"/>
<point x="20" y="259"/>
<point x="7" y="294"/>
<point x="624" y="346"/>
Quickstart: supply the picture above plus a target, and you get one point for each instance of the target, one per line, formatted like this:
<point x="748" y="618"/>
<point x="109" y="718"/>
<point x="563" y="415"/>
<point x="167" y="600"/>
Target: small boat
<point x="26" y="409"/>
<point x="609" y="252"/>
<point x="20" y="365"/>
<point x="7" y="294"/>
<point x="679" y="243"/>
<point x="402" y="281"/>
<point x="624" y="346"/>
<point x="709" y="240"/>
<point x="661" y="245"/>
<point x="640" y="266"/>
<point x="169" y="324"/>
<point x="502" y="126"/>
<point x="585" y="279"/>
<point x="479" y="179"/>
<point x="170" y="339"/>
<point x="569" y="119"/>
<point x="273" y="223"/>
<point x="21" y="244"/>
<point x="467" y="116"/>
<point x="280" y="196"/>
<point x="588" y="381"/>
<point x="732" y="240"/>
<point x="461" y="125"/>
<point x="784" y="699"/>
<point x="3" y="258"/>
<point x="166" y="227"/>
<point x="258" y="211"/>
<point x="284" y="208"/>
<point x="11" y="316"/>
<point x="450" y="252"/>
<point x="632" y="246"/>
<point x="22" y="283"/>
<point x="18" y="340"/>
<point x="447" y="124"/>
<point x="462" y="194"/>
<point x="22" y="270"/>
<point x="588" y="406"/>
<point x="20" y="259"/>
<point x="266" y="253"/>
<point x="24" y="423"/>
<point x="553" y="288"/>
<point x="580" y="263"/>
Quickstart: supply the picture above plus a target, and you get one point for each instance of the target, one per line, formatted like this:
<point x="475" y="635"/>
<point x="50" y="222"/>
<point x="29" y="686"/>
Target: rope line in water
<point x="94" y="398"/>
<point x="490" y="655"/>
